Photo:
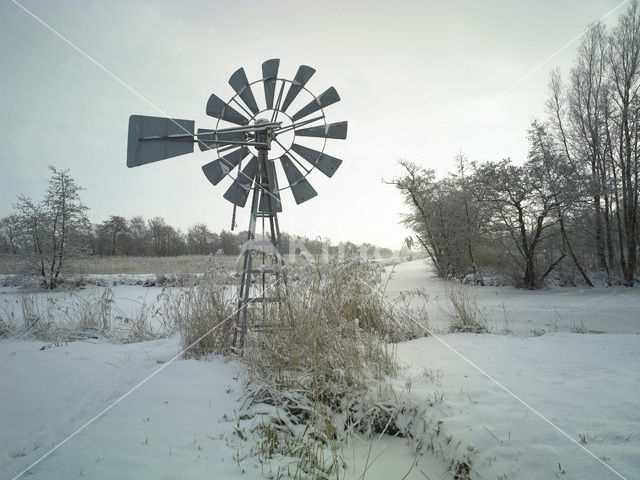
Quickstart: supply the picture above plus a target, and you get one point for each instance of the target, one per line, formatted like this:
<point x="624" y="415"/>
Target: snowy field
<point x="184" y="421"/>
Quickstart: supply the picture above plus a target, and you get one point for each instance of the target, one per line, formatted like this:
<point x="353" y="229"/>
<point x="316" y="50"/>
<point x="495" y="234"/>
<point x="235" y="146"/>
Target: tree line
<point x="44" y="235"/>
<point x="29" y="229"/>
<point x="572" y="204"/>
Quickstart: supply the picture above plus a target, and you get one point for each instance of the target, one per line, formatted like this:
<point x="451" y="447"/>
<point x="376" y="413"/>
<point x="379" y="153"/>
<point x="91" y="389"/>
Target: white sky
<point x="419" y="80"/>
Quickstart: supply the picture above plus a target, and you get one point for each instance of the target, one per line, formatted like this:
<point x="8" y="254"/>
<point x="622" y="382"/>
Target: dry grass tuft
<point x="463" y="311"/>
<point x="70" y="316"/>
<point x="328" y="374"/>
<point x="208" y="301"/>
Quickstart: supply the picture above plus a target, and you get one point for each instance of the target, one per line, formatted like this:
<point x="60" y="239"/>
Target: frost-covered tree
<point x="438" y="217"/>
<point x="137" y="241"/>
<point x="165" y="240"/>
<point x="624" y="73"/>
<point x="595" y="118"/>
<point x="523" y="207"/>
<point x="566" y="186"/>
<point x="51" y="231"/>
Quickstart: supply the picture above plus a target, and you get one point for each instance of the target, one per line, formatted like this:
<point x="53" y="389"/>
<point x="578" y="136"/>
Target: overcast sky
<point x="419" y="80"/>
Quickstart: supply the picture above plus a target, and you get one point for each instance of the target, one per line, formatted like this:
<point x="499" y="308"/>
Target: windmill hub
<point x="264" y="137"/>
<point x="249" y="126"/>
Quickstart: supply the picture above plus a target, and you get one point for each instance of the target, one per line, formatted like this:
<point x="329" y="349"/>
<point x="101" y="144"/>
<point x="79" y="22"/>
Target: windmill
<point x="257" y="139"/>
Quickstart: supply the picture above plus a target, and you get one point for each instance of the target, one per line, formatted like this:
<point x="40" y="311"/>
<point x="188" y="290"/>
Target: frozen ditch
<point x="600" y="310"/>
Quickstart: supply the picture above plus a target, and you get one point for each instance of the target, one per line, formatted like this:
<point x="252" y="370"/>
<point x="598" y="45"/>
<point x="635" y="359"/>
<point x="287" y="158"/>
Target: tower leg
<point x="245" y="282"/>
<point x="275" y="239"/>
<point x="262" y="188"/>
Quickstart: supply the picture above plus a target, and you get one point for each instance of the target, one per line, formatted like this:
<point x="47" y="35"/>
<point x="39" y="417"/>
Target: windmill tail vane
<point x="283" y="132"/>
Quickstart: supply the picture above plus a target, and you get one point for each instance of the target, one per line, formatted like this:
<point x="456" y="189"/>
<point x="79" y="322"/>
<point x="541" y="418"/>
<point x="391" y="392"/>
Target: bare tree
<point x="588" y="102"/>
<point x="523" y="205"/>
<point x="114" y="228"/>
<point x="199" y="239"/>
<point x="165" y="240"/>
<point x="471" y="221"/>
<point x="31" y="233"/>
<point x="53" y="230"/>
<point x="562" y="181"/>
<point x="138" y="240"/>
<point x="415" y="185"/>
<point x="624" y="57"/>
<point x="443" y="218"/>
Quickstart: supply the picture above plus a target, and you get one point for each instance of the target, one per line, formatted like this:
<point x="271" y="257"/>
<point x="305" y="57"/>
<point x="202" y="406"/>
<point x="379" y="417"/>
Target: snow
<point x="390" y="458"/>
<point x="181" y="422"/>
<point x="584" y="384"/>
<point x="170" y="427"/>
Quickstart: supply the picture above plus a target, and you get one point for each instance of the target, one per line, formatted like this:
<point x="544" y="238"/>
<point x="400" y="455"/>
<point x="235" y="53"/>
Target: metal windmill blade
<point x="218" y="169"/>
<point x="301" y="188"/>
<point x="269" y="77"/>
<point x="303" y="75"/>
<point x="323" y="162"/>
<point x="324" y="100"/>
<point x="241" y="85"/>
<point x="331" y="130"/>
<point x="217" y="108"/>
<point x="238" y="192"/>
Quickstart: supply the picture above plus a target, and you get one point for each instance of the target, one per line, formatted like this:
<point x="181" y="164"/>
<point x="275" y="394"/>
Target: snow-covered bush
<point x="322" y="364"/>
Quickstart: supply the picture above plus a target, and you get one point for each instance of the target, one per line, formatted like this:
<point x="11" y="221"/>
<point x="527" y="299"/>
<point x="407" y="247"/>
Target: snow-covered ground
<point x="180" y="423"/>
<point x="171" y="427"/>
<point x="586" y="385"/>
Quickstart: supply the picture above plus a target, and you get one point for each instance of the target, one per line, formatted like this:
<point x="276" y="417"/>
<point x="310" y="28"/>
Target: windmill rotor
<point x="287" y="109"/>
<point x="291" y="153"/>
